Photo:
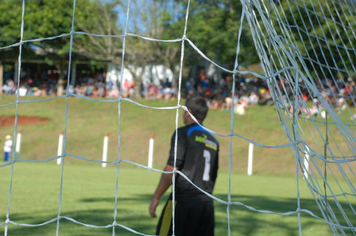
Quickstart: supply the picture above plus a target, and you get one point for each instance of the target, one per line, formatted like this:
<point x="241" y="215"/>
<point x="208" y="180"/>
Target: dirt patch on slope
<point x="21" y="120"/>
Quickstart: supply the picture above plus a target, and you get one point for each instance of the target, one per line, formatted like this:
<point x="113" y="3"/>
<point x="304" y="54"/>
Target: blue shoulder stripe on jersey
<point x="199" y="128"/>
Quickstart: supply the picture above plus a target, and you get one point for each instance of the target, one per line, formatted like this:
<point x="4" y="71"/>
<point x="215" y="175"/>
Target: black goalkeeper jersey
<point x="197" y="158"/>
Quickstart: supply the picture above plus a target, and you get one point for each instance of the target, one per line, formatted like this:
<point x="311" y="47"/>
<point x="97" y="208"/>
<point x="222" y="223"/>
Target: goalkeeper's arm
<point x="163" y="185"/>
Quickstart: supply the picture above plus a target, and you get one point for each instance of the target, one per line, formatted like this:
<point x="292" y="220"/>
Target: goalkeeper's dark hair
<point x="198" y="107"/>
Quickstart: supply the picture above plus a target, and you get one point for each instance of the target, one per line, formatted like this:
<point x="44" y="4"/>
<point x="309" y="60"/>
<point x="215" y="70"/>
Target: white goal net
<point x="307" y="47"/>
<point x="307" y="52"/>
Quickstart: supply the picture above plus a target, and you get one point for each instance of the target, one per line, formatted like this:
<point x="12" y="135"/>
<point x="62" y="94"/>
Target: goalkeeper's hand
<point x="153" y="206"/>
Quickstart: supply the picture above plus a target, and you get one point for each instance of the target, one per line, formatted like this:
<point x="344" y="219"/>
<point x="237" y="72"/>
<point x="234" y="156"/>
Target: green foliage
<point x="213" y="27"/>
<point x="43" y="19"/>
<point x="323" y="32"/>
<point x="10" y="23"/>
<point x="53" y="18"/>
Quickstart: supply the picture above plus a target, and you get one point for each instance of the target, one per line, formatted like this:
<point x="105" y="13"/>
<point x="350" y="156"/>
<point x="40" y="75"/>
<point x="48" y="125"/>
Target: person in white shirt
<point x="7" y="148"/>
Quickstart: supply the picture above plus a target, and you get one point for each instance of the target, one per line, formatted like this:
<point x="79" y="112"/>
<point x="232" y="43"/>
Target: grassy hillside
<point x="88" y="122"/>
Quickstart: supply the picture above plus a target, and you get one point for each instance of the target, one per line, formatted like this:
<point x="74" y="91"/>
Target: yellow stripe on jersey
<point x="210" y="146"/>
<point x="167" y="219"/>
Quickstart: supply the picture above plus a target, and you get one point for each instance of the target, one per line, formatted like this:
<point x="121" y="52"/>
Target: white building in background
<point x="152" y="73"/>
<point x="113" y="73"/>
<point x="155" y="73"/>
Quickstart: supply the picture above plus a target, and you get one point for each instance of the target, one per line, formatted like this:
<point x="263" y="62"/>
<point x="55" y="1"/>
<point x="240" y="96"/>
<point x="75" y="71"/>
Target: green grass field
<point x="89" y="190"/>
<point x="89" y="197"/>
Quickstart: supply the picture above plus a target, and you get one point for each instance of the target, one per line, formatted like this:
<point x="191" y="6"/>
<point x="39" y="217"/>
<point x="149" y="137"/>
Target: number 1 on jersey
<point x="206" y="176"/>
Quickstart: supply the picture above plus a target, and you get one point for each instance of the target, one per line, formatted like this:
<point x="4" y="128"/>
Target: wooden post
<point x="73" y="72"/>
<point x="16" y="72"/>
<point x="1" y="77"/>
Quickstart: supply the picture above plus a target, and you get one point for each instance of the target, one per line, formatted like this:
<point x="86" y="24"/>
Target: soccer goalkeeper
<point x="197" y="158"/>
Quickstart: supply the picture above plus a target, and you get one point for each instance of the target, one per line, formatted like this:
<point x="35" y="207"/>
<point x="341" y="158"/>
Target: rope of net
<point x="287" y="63"/>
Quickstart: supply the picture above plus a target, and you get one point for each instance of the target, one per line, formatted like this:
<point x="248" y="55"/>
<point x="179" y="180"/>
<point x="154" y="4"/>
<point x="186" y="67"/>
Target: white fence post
<point x="18" y="144"/>
<point x="150" y="151"/>
<point x="60" y="148"/>
<point x="250" y="159"/>
<point x="306" y="162"/>
<point x="105" y="150"/>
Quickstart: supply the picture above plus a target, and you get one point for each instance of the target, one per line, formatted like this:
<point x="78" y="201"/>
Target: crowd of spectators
<point x="164" y="90"/>
<point x="45" y="84"/>
<point x="218" y="94"/>
<point x="339" y="94"/>
<point x="251" y="91"/>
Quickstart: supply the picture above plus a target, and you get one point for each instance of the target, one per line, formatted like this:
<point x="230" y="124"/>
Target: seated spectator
<point x="115" y="93"/>
<point x="151" y="91"/>
<point x="160" y="93"/>
<point x="132" y="89"/>
<point x="101" y="91"/>
<point x="191" y="91"/>
<point x="89" y="91"/>
<point x="174" y="90"/>
<point x="266" y="98"/>
<point x="315" y="109"/>
<point x="244" y="101"/>
<point x="125" y="88"/>
<point x="166" y="92"/>
<point x="341" y="103"/>
<point x="229" y="100"/>
<point x="95" y="92"/>
<point x="253" y="98"/>
<point x="22" y="91"/>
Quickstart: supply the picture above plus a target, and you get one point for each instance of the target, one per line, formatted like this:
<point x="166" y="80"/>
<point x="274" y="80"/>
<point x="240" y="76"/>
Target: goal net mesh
<point x="304" y="47"/>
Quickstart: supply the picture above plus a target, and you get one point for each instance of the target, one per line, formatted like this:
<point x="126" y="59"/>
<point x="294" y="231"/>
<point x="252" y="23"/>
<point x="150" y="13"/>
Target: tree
<point x="149" y="19"/>
<point x="50" y="18"/>
<point x="213" y="27"/>
<point x="101" y="19"/>
<point x="323" y="33"/>
<point x="42" y="19"/>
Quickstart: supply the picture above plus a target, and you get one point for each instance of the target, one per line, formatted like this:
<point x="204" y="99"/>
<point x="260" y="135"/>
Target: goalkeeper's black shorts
<point x="192" y="218"/>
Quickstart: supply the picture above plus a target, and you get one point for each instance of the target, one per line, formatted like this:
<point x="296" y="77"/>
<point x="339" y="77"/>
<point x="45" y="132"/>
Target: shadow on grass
<point x="100" y="218"/>
<point x="248" y="222"/>
<point x="242" y="220"/>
